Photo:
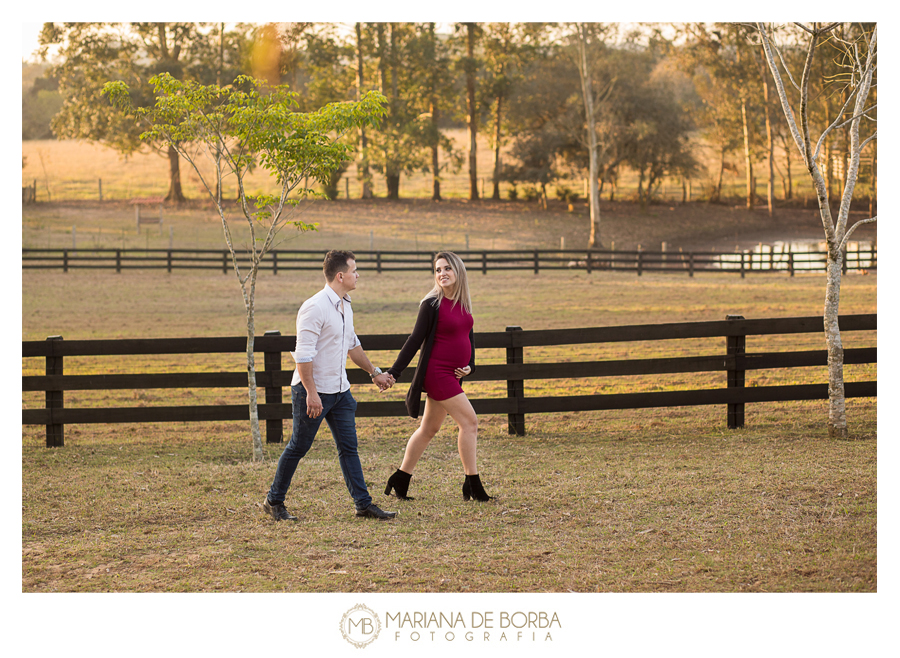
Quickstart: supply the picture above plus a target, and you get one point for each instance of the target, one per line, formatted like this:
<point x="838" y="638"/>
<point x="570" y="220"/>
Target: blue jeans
<point x="339" y="411"/>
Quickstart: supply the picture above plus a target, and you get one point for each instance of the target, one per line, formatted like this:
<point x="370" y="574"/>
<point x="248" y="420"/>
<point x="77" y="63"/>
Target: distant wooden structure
<point x="144" y="203"/>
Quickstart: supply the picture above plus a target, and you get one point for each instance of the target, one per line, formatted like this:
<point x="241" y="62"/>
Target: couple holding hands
<point x="320" y="389"/>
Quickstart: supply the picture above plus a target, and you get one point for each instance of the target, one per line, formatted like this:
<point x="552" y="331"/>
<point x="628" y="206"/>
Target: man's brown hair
<point x="336" y="261"/>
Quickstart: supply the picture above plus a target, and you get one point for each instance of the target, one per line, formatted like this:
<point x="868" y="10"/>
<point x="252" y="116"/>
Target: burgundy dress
<point x="451" y="350"/>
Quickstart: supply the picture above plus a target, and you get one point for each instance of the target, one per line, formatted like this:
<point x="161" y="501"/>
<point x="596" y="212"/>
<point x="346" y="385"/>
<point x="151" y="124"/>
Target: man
<point x="320" y="389"/>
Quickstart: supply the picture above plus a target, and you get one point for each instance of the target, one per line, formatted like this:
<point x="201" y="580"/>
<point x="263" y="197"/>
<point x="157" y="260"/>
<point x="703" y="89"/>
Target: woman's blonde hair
<point x="460" y="294"/>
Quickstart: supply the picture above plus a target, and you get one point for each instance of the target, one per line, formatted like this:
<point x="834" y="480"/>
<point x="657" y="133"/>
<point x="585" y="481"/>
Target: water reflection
<point x="799" y="255"/>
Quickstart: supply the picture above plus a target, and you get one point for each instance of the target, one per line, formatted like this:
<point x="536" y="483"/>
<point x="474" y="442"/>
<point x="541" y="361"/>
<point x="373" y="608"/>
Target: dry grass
<point x="639" y="501"/>
<point x="642" y="501"/>
<point x="71" y="170"/>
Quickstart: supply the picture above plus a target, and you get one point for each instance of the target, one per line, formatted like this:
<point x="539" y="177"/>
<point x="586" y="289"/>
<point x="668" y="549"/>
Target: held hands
<point x="462" y="372"/>
<point x="384" y="381"/>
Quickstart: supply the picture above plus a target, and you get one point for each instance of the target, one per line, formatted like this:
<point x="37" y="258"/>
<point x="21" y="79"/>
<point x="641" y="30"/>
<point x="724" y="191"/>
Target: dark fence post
<point x="791" y="262"/>
<point x="515" y="388"/>
<point x="272" y="365"/>
<point x="588" y="262"/>
<point x="65" y="260"/>
<point x="378" y="262"/>
<point x="274" y="263"/>
<point x="735" y="346"/>
<point x="536" y="261"/>
<point x="169" y="260"/>
<point x="54" y="399"/>
<point x="118" y="261"/>
<point x="224" y="262"/>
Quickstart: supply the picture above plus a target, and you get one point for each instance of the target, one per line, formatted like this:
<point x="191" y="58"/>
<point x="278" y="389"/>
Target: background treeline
<point x="687" y="103"/>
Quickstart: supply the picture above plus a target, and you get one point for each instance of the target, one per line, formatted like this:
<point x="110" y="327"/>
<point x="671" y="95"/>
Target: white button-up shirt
<point x="324" y="336"/>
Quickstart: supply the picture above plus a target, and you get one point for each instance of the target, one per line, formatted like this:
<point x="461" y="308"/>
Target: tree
<point x="590" y="123"/>
<point x="507" y="48"/>
<point x="93" y="53"/>
<point x="41" y="101"/>
<point x="405" y="67"/>
<point x="856" y="53"/>
<point x="719" y="59"/>
<point x="362" y="154"/>
<point x="545" y="117"/>
<point x="469" y="65"/>
<point x="237" y="127"/>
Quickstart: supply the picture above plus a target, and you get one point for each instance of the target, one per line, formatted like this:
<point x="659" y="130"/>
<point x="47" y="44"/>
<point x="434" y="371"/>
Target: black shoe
<point x="472" y="488"/>
<point x="374" y="512"/>
<point x="277" y="511"/>
<point x="399" y="482"/>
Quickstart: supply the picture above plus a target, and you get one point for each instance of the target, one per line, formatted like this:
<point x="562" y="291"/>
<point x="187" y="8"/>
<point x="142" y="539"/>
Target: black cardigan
<point x="422" y="336"/>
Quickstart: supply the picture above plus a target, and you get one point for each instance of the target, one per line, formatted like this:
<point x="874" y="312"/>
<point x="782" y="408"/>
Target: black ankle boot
<point x="472" y="488"/>
<point x="399" y="482"/>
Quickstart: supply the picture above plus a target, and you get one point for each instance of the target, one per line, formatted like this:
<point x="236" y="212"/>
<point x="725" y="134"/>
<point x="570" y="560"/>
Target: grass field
<point x="67" y="173"/>
<point x="631" y="501"/>
<point x="69" y="170"/>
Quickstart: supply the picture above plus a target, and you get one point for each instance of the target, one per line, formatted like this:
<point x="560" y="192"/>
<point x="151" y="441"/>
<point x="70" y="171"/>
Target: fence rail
<point x="734" y="361"/>
<point x="639" y="261"/>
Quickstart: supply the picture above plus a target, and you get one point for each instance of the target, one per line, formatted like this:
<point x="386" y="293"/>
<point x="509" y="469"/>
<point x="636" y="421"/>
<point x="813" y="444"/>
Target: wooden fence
<point x="732" y="360"/>
<point x="639" y="261"/>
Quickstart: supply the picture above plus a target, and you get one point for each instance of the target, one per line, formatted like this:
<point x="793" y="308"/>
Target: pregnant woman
<point x="443" y="332"/>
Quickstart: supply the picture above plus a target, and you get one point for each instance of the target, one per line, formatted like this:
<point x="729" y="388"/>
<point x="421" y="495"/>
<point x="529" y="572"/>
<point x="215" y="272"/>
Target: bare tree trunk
<point x="587" y="93"/>
<point x="836" y="232"/>
<point x="789" y="190"/>
<point x="837" y="414"/>
<point x="362" y="161"/>
<point x="256" y="434"/>
<point x="391" y="172"/>
<point x="748" y="158"/>
<point x="433" y="108"/>
<point x="435" y="160"/>
<point x="175" y="194"/>
<point x="717" y="194"/>
<point x="471" y="111"/>
<point x="496" y="176"/>
<point x="770" y="148"/>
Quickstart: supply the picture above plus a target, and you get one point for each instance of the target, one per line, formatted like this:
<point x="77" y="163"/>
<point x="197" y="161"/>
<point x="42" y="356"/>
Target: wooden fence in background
<point x="282" y="260"/>
<point x="730" y="358"/>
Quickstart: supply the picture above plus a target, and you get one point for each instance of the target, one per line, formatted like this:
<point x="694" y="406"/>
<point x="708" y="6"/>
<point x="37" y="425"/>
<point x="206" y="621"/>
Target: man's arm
<point x="358" y="355"/>
<point x="313" y="401"/>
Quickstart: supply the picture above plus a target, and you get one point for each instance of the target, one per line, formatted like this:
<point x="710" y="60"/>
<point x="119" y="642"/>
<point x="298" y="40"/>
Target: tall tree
<point x="409" y="67"/>
<point x="238" y="127"/>
<point x="92" y="53"/>
<point x="362" y="153"/>
<point x="856" y="51"/>
<point x="718" y="58"/>
<point x="507" y="49"/>
<point x="470" y="65"/>
<point x="589" y="40"/>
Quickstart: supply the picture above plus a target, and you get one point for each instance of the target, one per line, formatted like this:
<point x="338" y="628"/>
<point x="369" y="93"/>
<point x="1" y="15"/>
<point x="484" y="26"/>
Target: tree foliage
<point x="239" y="127"/>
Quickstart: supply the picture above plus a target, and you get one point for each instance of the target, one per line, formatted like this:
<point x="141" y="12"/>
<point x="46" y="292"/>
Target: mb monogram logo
<point x="360" y="626"/>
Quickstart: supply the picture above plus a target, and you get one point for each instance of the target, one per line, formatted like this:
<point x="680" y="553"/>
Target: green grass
<point x="637" y="501"/>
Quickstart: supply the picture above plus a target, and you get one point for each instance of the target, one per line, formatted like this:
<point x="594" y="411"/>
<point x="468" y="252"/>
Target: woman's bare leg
<point x="432" y="418"/>
<point x="460" y="410"/>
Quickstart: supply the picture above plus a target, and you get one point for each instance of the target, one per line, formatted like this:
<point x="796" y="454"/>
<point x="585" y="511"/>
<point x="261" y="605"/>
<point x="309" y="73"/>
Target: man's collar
<point x="333" y="296"/>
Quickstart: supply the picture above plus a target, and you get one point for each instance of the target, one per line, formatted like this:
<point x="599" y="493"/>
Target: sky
<point x="30" y="33"/>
